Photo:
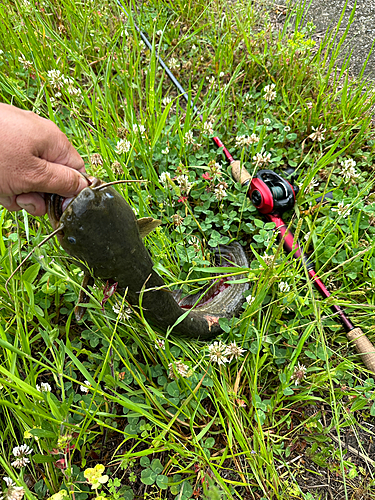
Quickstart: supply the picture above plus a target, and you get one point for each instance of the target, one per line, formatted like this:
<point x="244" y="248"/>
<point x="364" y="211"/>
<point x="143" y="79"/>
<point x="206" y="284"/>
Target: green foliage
<point x="158" y="413"/>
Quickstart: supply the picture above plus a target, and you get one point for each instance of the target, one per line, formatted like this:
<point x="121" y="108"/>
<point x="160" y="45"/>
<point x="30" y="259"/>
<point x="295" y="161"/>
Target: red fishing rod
<point x="272" y="195"/>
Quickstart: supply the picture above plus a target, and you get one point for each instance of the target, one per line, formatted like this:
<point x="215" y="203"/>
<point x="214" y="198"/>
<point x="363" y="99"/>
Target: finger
<point x="9" y="202"/>
<point x="58" y="179"/>
<point x="61" y="150"/>
<point x="33" y="203"/>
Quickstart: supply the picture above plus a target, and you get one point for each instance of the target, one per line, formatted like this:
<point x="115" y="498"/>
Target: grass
<point x="278" y="421"/>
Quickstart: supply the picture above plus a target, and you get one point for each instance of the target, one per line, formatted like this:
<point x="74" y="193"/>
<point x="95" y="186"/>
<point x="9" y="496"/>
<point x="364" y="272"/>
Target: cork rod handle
<point x="239" y="173"/>
<point x="364" y="347"/>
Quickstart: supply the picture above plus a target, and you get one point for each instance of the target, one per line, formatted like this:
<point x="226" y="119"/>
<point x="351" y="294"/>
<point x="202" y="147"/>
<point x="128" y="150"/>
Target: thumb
<point x="59" y="179"/>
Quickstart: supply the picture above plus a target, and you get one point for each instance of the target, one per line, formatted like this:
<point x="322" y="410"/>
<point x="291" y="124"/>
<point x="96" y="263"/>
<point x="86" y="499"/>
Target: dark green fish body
<point x="101" y="230"/>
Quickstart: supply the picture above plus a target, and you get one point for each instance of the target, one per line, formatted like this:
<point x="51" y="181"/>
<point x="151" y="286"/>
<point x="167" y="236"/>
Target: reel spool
<point x="270" y="193"/>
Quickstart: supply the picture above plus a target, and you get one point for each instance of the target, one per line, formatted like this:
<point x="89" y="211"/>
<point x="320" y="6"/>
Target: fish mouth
<point x="60" y="204"/>
<point x="56" y="204"/>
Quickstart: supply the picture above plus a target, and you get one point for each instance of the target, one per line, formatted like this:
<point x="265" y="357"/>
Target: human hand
<point x="35" y="158"/>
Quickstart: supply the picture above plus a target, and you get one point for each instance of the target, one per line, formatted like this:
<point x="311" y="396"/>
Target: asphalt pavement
<point x="361" y="34"/>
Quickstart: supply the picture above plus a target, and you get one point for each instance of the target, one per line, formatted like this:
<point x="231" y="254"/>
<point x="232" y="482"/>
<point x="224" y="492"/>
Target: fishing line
<point x="240" y="174"/>
<point x="177" y="84"/>
<point x="106" y="184"/>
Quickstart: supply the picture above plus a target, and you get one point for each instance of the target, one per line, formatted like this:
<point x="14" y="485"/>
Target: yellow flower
<point x="94" y="476"/>
<point x="59" y="495"/>
<point x="28" y="435"/>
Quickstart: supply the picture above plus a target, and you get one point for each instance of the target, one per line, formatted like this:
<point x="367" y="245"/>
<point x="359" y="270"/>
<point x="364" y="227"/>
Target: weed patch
<point x="280" y="405"/>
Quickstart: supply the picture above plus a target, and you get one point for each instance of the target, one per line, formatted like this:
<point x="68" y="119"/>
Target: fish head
<point x="57" y="205"/>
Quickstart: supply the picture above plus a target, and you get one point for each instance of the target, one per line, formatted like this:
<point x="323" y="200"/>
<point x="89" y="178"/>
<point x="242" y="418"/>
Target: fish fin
<point x="83" y="298"/>
<point x="146" y="225"/>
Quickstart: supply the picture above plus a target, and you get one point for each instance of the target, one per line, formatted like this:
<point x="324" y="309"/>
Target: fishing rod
<point x="272" y="195"/>
<point x="235" y="164"/>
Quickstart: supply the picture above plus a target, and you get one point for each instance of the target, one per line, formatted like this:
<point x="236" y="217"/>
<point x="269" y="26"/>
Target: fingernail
<point x="29" y="207"/>
<point x="83" y="183"/>
<point x="5" y="201"/>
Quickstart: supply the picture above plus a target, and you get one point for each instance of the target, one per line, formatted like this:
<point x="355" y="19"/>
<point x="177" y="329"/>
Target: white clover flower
<point x="341" y="209"/>
<point x="284" y="286"/>
<point x="348" y="171"/>
<point x="183" y="182"/>
<point x="165" y="151"/>
<point x="267" y="121"/>
<point x="1" y="52"/>
<point x="125" y="314"/>
<point x="246" y="140"/>
<point x="268" y="260"/>
<point x="217" y="353"/>
<point x="252" y="139"/>
<point x="96" y="159"/>
<point x="248" y="97"/>
<point x="74" y="91"/>
<point x="220" y="192"/>
<point x="25" y="63"/>
<point x="85" y="386"/>
<point x="269" y="92"/>
<point x="211" y="80"/>
<point x="177" y="219"/>
<point x="166" y="100"/>
<point x="173" y="63"/>
<point x="21" y="453"/>
<point x="348" y="163"/>
<point x="160" y="344"/>
<point x="262" y="158"/>
<point x="139" y="128"/>
<point x="250" y="299"/>
<point x="317" y="135"/>
<point x="189" y="137"/>
<point x="350" y="174"/>
<point x="221" y="74"/>
<point x="24" y="449"/>
<point x="9" y="481"/>
<point x="159" y="32"/>
<point x="208" y="127"/>
<point x="123" y="146"/>
<point x="20" y="462"/>
<point x="43" y="387"/>
<point x="165" y="178"/>
<point x="14" y="492"/>
<point x="67" y="80"/>
<point x="299" y="373"/>
<point x="234" y="351"/>
<point x="240" y="141"/>
<point x="215" y="168"/>
<point x="182" y="369"/>
<point x="311" y="185"/>
<point x="55" y="77"/>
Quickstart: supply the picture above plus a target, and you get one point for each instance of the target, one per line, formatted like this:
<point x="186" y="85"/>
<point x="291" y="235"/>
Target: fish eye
<point x="71" y="240"/>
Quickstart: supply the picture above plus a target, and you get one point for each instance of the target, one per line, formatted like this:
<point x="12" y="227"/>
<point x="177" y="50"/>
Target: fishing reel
<point x="271" y="194"/>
